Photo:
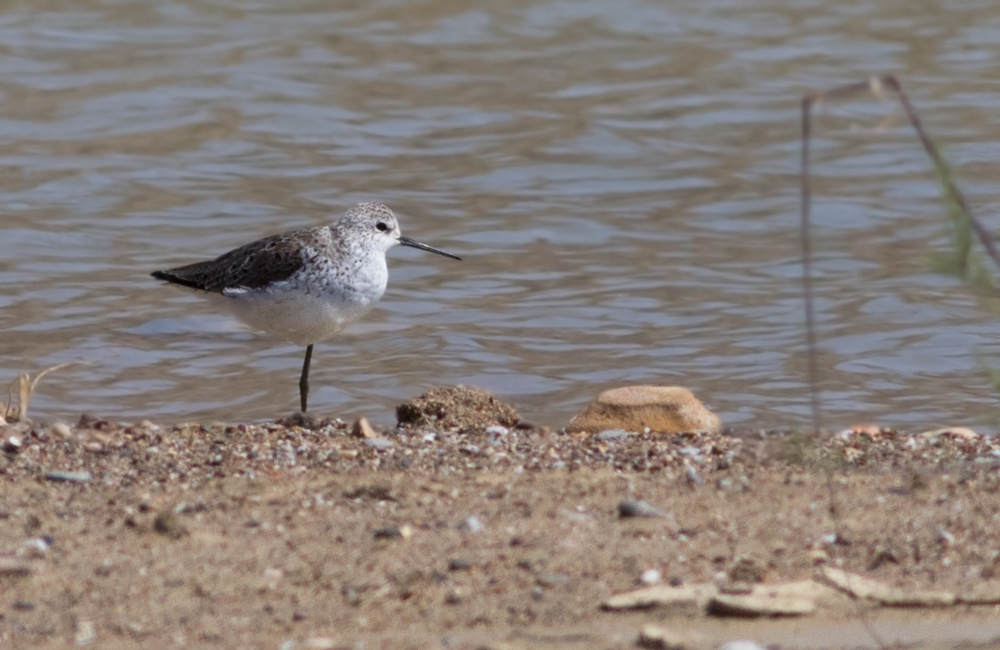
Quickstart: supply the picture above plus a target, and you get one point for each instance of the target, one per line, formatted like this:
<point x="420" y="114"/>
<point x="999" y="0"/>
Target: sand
<point x="276" y="535"/>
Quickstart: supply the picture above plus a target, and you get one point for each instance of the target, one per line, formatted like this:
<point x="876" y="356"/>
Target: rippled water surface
<point x="621" y="179"/>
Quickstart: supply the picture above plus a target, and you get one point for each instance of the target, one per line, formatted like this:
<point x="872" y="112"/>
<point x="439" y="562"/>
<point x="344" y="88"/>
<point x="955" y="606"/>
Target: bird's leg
<point x="304" y="379"/>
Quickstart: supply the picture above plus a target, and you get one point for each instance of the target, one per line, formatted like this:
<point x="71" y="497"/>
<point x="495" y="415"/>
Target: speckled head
<point x="377" y="223"/>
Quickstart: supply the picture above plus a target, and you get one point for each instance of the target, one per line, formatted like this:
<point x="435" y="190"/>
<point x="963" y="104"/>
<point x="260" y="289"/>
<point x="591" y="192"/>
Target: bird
<point x="304" y="286"/>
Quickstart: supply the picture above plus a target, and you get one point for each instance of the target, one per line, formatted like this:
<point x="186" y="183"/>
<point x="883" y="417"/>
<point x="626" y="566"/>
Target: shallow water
<point x="620" y="179"/>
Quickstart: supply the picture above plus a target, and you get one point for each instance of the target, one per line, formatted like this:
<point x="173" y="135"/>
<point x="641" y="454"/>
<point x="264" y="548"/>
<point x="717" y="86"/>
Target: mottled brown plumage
<point x="253" y="266"/>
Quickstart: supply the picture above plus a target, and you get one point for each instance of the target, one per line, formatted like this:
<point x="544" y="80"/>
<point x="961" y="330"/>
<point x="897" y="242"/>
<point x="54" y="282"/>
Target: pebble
<point x="167" y="524"/>
<point x="35" y="548"/>
<point x="650" y="577"/>
<point x="473" y="525"/>
<point x="378" y="443"/>
<point x="628" y="509"/>
<point x="497" y="430"/>
<point x="612" y="434"/>
<point x="85" y="633"/>
<point x="741" y="644"/>
<point x="68" y="477"/>
<point x="12" y="445"/>
<point x="752" y="605"/>
<point x="387" y="533"/>
<point x="62" y="430"/>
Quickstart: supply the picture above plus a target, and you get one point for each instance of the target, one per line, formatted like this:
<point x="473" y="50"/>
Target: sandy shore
<point x="276" y="535"/>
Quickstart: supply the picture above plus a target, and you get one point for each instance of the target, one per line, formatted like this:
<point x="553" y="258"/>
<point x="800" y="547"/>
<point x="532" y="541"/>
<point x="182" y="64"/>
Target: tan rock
<point x="664" y="409"/>
<point x="987" y="593"/>
<point x="759" y="604"/>
<point x="866" y="588"/>
<point x="691" y="597"/>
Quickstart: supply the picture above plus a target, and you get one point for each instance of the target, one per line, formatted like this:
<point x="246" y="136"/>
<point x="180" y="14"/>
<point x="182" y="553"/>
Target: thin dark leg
<point x="304" y="379"/>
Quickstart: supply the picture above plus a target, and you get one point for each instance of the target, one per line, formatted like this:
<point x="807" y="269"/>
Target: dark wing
<point x="252" y="266"/>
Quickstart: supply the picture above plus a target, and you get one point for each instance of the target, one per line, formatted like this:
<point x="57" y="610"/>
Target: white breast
<point x="303" y="310"/>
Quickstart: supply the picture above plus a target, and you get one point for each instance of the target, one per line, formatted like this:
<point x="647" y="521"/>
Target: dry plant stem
<point x="26" y="388"/>
<point x="876" y="86"/>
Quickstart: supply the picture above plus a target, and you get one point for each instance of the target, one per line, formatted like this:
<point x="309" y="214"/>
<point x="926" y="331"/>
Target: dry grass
<point x="26" y="386"/>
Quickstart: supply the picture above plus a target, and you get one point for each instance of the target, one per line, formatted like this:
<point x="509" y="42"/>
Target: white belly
<point x="297" y="317"/>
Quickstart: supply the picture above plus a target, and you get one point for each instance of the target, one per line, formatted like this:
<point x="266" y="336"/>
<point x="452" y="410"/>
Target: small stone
<point x="34" y="549"/>
<point x="688" y="597"/>
<point x="23" y="605"/>
<point x="68" y="477"/>
<point x="663" y="409"/>
<point x="169" y="525"/>
<point x="62" y="430"/>
<point x="12" y="445"/>
<point x="497" y="430"/>
<point x="387" y="533"/>
<point x="473" y="525"/>
<point x="612" y="434"/>
<point x="754" y="605"/>
<point x="454" y="596"/>
<point x="351" y="595"/>
<point x="321" y="643"/>
<point x="85" y="633"/>
<point x="362" y="429"/>
<point x="741" y="644"/>
<point x="650" y="577"/>
<point x="377" y="443"/>
<point x="635" y="508"/>
<point x="459" y="565"/>
<point x="662" y="638"/>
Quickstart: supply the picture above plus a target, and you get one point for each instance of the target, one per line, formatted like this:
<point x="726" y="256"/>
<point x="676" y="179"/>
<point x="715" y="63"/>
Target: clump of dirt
<point x="458" y="407"/>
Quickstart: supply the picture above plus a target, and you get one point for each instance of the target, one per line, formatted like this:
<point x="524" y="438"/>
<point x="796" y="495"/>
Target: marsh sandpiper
<point x="304" y="286"/>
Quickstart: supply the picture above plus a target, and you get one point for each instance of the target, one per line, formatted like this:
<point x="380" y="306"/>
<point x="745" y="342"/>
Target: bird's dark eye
<point x="381" y="226"/>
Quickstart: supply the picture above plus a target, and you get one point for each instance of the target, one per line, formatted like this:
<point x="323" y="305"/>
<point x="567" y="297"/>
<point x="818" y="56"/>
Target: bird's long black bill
<point x="406" y="241"/>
